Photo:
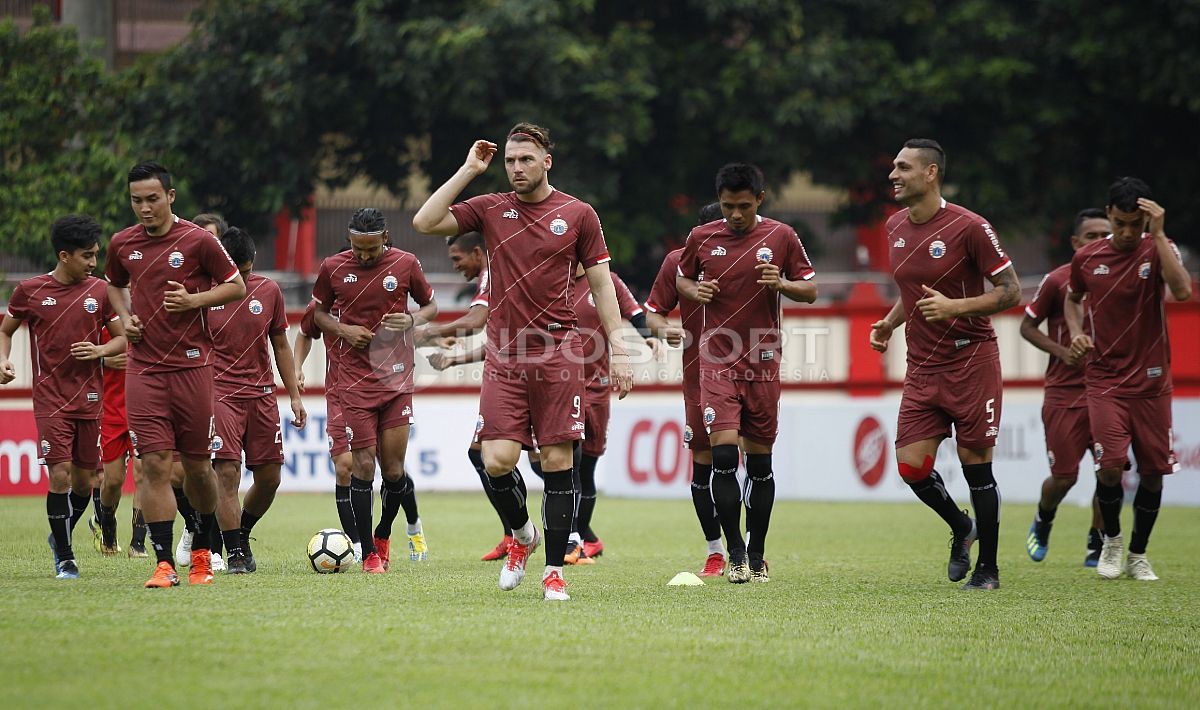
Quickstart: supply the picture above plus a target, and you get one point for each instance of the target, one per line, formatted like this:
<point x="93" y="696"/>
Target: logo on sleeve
<point x="511" y="214"/>
<point x="48" y="301"/>
<point x="390" y="283"/>
<point x="710" y="416"/>
<point x="559" y="226"/>
<point x="175" y="259"/>
<point x="937" y="249"/>
<point x="91" y="305"/>
<point x="719" y="251"/>
<point x="479" y="424"/>
<point x="687" y="434"/>
<point x="898" y="244"/>
<point x="764" y="255"/>
<point x="350" y="279"/>
<point x="135" y="255"/>
<point x="1101" y="270"/>
<point x="256" y="307"/>
<point x="217" y="443"/>
<point x="987" y="228"/>
<point x="45" y="448"/>
<point x="1144" y="271"/>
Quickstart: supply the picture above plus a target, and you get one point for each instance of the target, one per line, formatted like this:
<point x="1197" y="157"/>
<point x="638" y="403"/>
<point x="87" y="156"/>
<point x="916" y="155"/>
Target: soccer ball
<point x="330" y="551"/>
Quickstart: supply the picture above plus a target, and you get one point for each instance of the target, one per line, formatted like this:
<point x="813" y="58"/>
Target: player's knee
<point x="267" y="477"/>
<point x="758" y="467"/>
<point x="498" y="465"/>
<point x="60" y="477"/>
<point x="1109" y="476"/>
<point x="725" y="459"/>
<point x="1151" y="482"/>
<point x="915" y="474"/>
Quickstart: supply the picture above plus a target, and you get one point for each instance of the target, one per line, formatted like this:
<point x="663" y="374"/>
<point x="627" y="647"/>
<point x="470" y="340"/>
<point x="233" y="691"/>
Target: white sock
<point x="577" y="539"/>
<point x="415" y="527"/>
<point x="550" y="569"/>
<point x="524" y="534"/>
<point x="716" y="547"/>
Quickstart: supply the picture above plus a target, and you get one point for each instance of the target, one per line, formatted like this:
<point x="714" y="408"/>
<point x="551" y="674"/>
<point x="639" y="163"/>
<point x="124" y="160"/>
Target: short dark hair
<point x="531" y="133"/>
<point x="148" y="170"/>
<point x="1086" y="214"/>
<point x="368" y="219"/>
<point x="1124" y="193"/>
<point x="467" y="241"/>
<point x="736" y="177"/>
<point x="239" y="245"/>
<point x="205" y="219"/>
<point x="931" y="153"/>
<point x="710" y="213"/>
<point x="74" y="232"/>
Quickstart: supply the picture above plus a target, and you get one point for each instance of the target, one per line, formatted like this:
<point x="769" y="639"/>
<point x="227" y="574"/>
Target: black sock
<point x="985" y="499"/>
<point x="1045" y="516"/>
<point x="232" y="540"/>
<point x="1145" y="511"/>
<point x="587" y="497"/>
<point x="96" y="501"/>
<point x="536" y="467"/>
<point x="58" y="512"/>
<point x="760" y="498"/>
<point x="108" y="524"/>
<point x="360" y="500"/>
<point x="558" y="510"/>
<point x="511" y="496"/>
<point x="216" y="543"/>
<point x="408" y="500"/>
<point x="389" y="506"/>
<point x="727" y="496"/>
<point x="932" y="492"/>
<point x="162" y="537"/>
<point x="186" y="510"/>
<point x="345" y="511"/>
<point x="247" y="525"/>
<point x="476" y="457"/>
<point x="206" y="523"/>
<point x="139" y="529"/>
<point x="702" y="500"/>
<point x="1110" y="498"/>
<point x="1094" y="540"/>
<point x="79" y="504"/>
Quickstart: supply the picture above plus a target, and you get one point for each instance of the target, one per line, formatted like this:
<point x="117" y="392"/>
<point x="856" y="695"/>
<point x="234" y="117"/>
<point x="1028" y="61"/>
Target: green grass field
<point x="858" y="613"/>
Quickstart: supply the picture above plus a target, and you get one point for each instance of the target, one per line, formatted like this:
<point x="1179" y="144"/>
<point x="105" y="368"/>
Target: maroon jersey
<point x="663" y="297"/>
<point x="1064" y="384"/>
<point x="740" y="327"/>
<point x="533" y="249"/>
<point x="241" y="333"/>
<point x="364" y="295"/>
<point x="953" y="253"/>
<point x="60" y="315"/>
<point x="595" y="343"/>
<point x="1123" y="314"/>
<point x="186" y="254"/>
<point x="481" y="290"/>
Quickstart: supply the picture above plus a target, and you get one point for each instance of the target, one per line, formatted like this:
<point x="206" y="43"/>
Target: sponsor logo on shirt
<point x="937" y="249"/>
<point x="350" y="279"/>
<point x="559" y="226"/>
<point x="93" y="396"/>
<point x="135" y="255"/>
<point x="193" y="353"/>
<point x="764" y="255"/>
<point x="766" y="355"/>
<point x="390" y="283"/>
<point x="687" y="434"/>
<point x="991" y="432"/>
<point x="47" y="301"/>
<point x="175" y="259"/>
<point x="987" y="228"/>
<point x="961" y="343"/>
<point x="898" y="244"/>
<point x="1101" y="270"/>
<point x="91" y="305"/>
<point x="719" y="251"/>
<point x="398" y="368"/>
<point x="256" y="307"/>
<point x="553" y="326"/>
<point x="216" y="444"/>
<point x="1154" y="372"/>
<point x="217" y="308"/>
<point x="1144" y="271"/>
<point x="710" y="416"/>
<point x="511" y="214"/>
<point x="605" y="381"/>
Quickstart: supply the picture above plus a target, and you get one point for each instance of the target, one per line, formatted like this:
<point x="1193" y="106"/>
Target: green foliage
<point x="59" y="152"/>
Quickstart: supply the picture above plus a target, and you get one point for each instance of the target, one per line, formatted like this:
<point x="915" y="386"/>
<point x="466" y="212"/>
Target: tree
<point x="59" y="151"/>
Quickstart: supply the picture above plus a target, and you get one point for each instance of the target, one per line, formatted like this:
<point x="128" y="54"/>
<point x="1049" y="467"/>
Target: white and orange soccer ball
<point x="330" y="551"/>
